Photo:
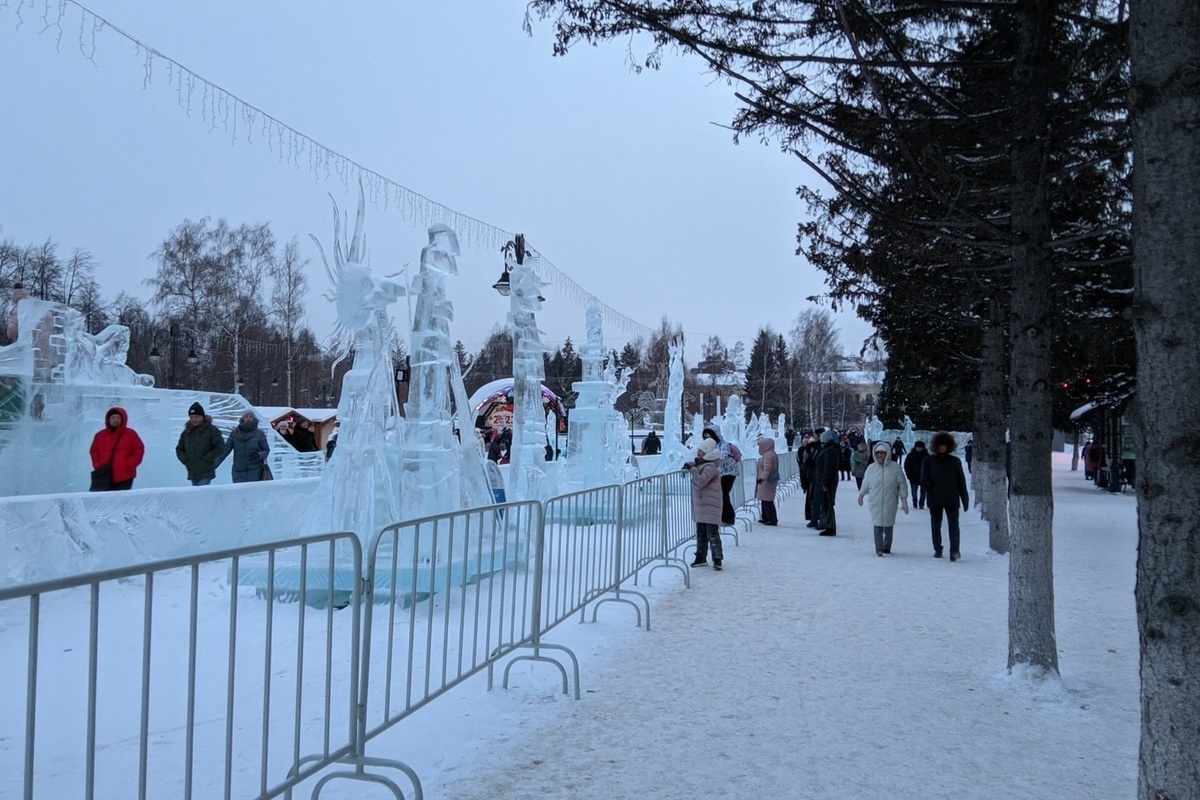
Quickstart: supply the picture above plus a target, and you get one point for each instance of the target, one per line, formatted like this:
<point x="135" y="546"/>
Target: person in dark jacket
<point x="844" y="461"/>
<point x="304" y="439"/>
<point x="945" y="486"/>
<point x="825" y="480"/>
<point x="248" y="443"/>
<point x="119" y="445"/>
<point x="898" y="450"/>
<point x="651" y="445"/>
<point x="805" y="458"/>
<point x="200" y="446"/>
<point x="912" y="471"/>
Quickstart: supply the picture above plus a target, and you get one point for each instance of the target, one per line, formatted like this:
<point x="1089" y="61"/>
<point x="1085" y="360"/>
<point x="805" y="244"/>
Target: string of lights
<point x="226" y="112"/>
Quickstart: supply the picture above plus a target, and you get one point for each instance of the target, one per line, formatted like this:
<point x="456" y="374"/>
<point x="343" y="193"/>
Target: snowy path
<point x="810" y="668"/>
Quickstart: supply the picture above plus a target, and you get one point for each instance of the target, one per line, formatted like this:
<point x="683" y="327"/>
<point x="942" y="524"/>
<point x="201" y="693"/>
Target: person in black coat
<point x="805" y="458"/>
<point x="898" y="450"/>
<point x="912" y="471"/>
<point x="945" y="486"/>
<point x="825" y="480"/>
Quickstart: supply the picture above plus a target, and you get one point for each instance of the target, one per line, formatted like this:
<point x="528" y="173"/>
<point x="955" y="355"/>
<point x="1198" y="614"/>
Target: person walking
<point x="706" y="502"/>
<point x="824" y="484"/>
<point x="860" y="459"/>
<point x="883" y="486"/>
<point x="248" y="443"/>
<point x="116" y="452"/>
<point x="845" y="453"/>
<point x="945" y="487"/>
<point x="766" y="480"/>
<point x="912" y="470"/>
<point x="898" y="450"/>
<point x="200" y="447"/>
<point x="651" y="445"/>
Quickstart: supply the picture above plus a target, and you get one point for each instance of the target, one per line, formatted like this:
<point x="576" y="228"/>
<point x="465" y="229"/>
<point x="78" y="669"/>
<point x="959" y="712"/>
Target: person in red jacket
<point x="118" y="444"/>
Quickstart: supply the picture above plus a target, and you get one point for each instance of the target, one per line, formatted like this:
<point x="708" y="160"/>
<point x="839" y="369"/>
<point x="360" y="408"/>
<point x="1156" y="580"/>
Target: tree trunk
<point x="1166" y="260"/>
<point x="991" y="422"/>
<point x="1031" y="635"/>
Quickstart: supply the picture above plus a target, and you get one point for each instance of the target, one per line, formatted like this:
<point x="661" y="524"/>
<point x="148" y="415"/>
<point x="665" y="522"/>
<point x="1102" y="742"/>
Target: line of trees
<point x="980" y="209"/>
<point x="226" y="310"/>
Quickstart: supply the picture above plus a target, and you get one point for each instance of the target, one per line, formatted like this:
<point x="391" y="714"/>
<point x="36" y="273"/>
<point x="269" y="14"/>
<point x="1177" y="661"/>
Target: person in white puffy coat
<point x="884" y="485"/>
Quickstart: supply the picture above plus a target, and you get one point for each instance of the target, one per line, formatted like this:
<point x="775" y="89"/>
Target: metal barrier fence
<point x="162" y="680"/>
<point x="441" y="599"/>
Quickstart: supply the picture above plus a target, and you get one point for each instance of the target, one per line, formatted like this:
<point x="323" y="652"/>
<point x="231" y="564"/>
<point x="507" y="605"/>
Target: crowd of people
<point x="117" y="450"/>
<point x="886" y="476"/>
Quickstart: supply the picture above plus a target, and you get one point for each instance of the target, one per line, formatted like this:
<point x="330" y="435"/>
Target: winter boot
<point x="700" y="562"/>
<point x="716" y="563"/>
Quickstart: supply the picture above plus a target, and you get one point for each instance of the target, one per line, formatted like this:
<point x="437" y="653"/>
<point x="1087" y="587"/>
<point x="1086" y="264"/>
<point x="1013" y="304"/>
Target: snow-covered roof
<point x="275" y="413"/>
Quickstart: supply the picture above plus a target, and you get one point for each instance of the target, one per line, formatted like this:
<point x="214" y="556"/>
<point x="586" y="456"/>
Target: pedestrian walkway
<point x="811" y="668"/>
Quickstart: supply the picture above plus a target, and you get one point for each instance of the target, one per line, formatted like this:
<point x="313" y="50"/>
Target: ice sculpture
<point x="360" y="490"/>
<point x="57" y="380"/>
<point x="438" y="474"/>
<point x="733" y="425"/>
<point x="874" y="429"/>
<point x="528" y="453"/>
<point x="781" y="428"/>
<point x="909" y="435"/>
<point x="598" y="444"/>
<point x="674" y="452"/>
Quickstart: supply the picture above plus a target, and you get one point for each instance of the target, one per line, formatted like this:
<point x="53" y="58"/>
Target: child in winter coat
<point x="706" y="502"/>
<point x="884" y="484"/>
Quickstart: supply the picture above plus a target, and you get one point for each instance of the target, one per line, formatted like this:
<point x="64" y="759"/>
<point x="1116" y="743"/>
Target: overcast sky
<point x="627" y="183"/>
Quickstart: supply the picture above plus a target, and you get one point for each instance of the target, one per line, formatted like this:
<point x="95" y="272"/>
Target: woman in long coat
<point x="884" y="485"/>
<point x="249" y="446"/>
<point x="764" y="488"/>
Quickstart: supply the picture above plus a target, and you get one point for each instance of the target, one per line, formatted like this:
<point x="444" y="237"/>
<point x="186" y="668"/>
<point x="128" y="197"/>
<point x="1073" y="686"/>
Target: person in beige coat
<point x="884" y="485"/>
<point x="706" y="502"/>
<point x="764" y="487"/>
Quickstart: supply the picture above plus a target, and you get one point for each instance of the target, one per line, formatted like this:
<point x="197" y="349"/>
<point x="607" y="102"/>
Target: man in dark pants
<point x="945" y="486"/>
<point x="825" y="481"/>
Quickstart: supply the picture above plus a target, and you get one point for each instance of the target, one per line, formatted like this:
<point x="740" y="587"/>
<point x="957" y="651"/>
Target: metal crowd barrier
<point x="164" y="680"/>
<point x="199" y="682"/>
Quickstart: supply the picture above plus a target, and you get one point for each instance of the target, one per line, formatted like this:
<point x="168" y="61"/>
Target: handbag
<point x="773" y="477"/>
<point x="102" y="476"/>
<point x="266" y="473"/>
<point x="828" y="519"/>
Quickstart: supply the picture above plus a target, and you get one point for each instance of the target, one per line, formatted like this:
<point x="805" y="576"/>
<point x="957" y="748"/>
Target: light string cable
<point x="225" y="111"/>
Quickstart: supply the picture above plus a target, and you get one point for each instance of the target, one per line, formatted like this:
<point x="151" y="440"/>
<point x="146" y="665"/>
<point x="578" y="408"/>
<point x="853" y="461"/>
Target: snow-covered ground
<point x="808" y="668"/>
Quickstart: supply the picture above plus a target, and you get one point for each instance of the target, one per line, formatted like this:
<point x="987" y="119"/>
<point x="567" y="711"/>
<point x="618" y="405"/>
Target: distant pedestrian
<point x="945" y="487"/>
<point x="767" y="480"/>
<point x="248" y="443"/>
<point x="860" y="459"/>
<point x="200" y="447"/>
<point x="844" y="458"/>
<point x="912" y="470"/>
<point x="967" y="448"/>
<point x="789" y="436"/>
<point x="304" y="439"/>
<point x="706" y="502"/>
<point x="883" y="486"/>
<point x="651" y="445"/>
<point x="806" y="458"/>
<point x="116" y="452"/>
<point x="330" y="445"/>
<point x="898" y="450"/>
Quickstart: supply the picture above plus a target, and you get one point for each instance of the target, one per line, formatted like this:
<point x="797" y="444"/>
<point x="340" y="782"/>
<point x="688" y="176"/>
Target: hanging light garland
<point x="226" y="112"/>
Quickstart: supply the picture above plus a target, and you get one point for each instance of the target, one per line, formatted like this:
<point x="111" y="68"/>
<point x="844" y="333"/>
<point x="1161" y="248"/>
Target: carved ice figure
<point x="360" y="488"/>
<point x="438" y="474"/>
<point x="598" y="443"/>
<point x="528" y="453"/>
<point x="781" y="427"/>
<point x="733" y="425"/>
<point x="909" y="435"/>
<point x="674" y="453"/>
<point x="874" y="429"/>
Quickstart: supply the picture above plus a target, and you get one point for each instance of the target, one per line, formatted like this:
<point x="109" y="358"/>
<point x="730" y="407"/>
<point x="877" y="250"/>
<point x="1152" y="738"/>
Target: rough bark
<point x="1165" y="111"/>
<point x="991" y="422"/>
<point x="1031" y="631"/>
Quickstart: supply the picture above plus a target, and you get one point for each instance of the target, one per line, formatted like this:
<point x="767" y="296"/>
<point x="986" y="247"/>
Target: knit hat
<point x="828" y="436"/>
<point x="708" y="449"/>
<point x="196" y="409"/>
<point x="919" y="444"/>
